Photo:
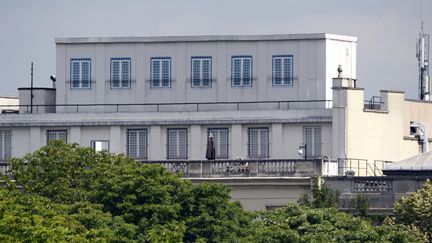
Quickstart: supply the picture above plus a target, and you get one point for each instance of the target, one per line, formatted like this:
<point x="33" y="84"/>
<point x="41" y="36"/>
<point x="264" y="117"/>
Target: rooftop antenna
<point x="31" y="88"/>
<point x="423" y="60"/>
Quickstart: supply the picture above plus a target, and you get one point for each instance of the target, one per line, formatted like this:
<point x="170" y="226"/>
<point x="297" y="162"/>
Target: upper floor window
<point x="120" y="72"/>
<point x="312" y="140"/>
<point x="282" y="70"/>
<point x="241" y="71"/>
<point x="160" y="71"/>
<point x="136" y="143"/>
<point x="177" y="143"/>
<point x="56" y="135"/>
<point x="220" y="140"/>
<point x="5" y="145"/>
<point x="100" y="145"/>
<point x="258" y="142"/>
<point x="80" y="73"/>
<point x="201" y="71"/>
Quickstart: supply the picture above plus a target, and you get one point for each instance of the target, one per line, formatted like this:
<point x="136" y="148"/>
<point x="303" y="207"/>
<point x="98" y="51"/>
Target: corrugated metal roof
<point x="415" y="163"/>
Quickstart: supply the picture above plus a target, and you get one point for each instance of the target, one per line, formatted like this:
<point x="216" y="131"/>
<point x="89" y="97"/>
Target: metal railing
<point x="361" y="167"/>
<point x="166" y="107"/>
<point x="375" y="103"/>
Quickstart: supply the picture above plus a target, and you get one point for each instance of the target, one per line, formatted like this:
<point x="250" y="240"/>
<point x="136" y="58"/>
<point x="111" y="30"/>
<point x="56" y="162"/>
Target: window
<point x="160" y="70"/>
<point x="80" y="73"/>
<point x="258" y="142"/>
<point x="56" y="135"/>
<point x="241" y="71"/>
<point x="282" y="70"/>
<point x="120" y="72"/>
<point x="5" y="145"/>
<point x="312" y="139"/>
<point x="136" y="143"/>
<point x="100" y="145"/>
<point x="201" y="71"/>
<point x="220" y="141"/>
<point x="177" y="143"/>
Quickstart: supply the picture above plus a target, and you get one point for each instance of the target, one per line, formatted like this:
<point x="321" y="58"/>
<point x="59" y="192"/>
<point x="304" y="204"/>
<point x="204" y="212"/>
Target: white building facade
<point x="158" y="98"/>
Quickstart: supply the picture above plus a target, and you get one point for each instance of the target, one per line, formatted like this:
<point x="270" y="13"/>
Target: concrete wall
<point x="264" y="193"/>
<point x="8" y="103"/>
<point x="43" y="100"/>
<point x="376" y="134"/>
<point x="314" y="66"/>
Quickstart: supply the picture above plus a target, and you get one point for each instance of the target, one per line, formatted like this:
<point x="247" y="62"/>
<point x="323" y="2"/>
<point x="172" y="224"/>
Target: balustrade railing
<point x="373" y="185"/>
<point x="232" y="168"/>
<point x="242" y="168"/>
<point x="4" y="168"/>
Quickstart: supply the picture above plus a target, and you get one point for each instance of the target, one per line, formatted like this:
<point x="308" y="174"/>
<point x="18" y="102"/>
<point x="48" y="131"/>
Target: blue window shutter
<point x="236" y="72"/>
<point x="115" y="65"/>
<point x="155" y="73"/>
<point x="85" y="74"/>
<point x="166" y="73"/>
<point x="277" y="65"/>
<point x="206" y="72"/>
<point x="196" y="72"/>
<point x="125" y="73"/>
<point x="75" y="74"/>
<point x="246" y="71"/>
<point x="287" y="70"/>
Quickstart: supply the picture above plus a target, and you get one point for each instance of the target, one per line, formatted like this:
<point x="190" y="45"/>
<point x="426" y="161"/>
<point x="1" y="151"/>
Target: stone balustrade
<point x="242" y="168"/>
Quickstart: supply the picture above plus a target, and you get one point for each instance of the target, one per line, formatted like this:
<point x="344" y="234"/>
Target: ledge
<point x="205" y="38"/>
<point x="375" y="111"/>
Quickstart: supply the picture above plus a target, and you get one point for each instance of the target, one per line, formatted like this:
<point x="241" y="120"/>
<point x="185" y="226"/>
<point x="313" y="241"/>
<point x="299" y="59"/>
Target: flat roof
<point x="206" y="38"/>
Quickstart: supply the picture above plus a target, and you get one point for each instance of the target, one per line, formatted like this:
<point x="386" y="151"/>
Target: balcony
<point x="233" y="168"/>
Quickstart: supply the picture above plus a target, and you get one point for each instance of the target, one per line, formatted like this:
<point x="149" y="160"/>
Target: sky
<point x="387" y="30"/>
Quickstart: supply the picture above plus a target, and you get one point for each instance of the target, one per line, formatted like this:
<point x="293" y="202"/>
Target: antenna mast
<point x="423" y="62"/>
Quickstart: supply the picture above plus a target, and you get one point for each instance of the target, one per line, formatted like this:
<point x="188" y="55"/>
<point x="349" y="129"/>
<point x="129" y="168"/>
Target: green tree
<point x="160" y="204"/>
<point x="416" y="209"/>
<point x="33" y="218"/>
<point x="296" y="223"/>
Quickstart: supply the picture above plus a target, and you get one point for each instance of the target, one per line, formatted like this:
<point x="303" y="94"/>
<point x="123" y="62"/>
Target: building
<point x="157" y="98"/>
<point x="9" y="104"/>
<point x="263" y="98"/>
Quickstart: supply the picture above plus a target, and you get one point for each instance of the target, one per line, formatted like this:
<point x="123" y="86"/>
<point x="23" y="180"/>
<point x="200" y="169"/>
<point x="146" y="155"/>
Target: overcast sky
<point x="387" y="30"/>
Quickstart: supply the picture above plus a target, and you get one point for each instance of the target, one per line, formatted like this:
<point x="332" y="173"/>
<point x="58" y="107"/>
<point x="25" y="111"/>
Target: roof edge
<point x="205" y="38"/>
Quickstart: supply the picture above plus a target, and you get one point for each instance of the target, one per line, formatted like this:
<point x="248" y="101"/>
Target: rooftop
<point x="166" y="118"/>
<point x="206" y="38"/>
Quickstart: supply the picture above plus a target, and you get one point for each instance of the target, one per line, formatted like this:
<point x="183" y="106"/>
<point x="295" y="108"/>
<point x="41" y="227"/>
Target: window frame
<point x="5" y="145"/>
<point x="285" y="81"/>
<point x="218" y="143"/>
<point x="260" y="154"/>
<point x="93" y="145"/>
<point x="242" y="66"/>
<point x="138" y="146"/>
<point x="121" y="73"/>
<point x="311" y="147"/>
<point x="177" y="146"/>
<point x="80" y="81"/>
<point x="201" y="72"/>
<point x="160" y="79"/>
<point x="57" y="132"/>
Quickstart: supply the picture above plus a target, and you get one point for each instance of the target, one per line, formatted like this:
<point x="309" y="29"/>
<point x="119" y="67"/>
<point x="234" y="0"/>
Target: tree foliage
<point x="75" y="194"/>
<point x="296" y="223"/>
<point x="159" y="205"/>
<point x="416" y="209"/>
